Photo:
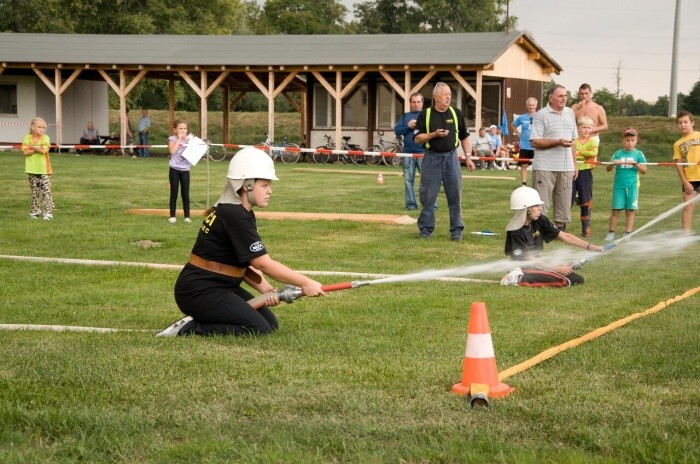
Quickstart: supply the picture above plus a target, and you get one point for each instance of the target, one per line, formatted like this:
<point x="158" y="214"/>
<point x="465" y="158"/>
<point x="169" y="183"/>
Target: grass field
<point x="361" y="375"/>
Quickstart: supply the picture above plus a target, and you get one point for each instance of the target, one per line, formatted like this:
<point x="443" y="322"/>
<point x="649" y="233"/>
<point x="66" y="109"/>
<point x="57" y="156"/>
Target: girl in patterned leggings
<point x="37" y="165"/>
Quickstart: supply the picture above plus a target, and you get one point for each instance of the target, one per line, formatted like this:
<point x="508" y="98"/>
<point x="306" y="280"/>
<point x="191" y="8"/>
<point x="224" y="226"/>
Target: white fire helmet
<point x="251" y="163"/>
<point x="246" y="166"/>
<point x="520" y="200"/>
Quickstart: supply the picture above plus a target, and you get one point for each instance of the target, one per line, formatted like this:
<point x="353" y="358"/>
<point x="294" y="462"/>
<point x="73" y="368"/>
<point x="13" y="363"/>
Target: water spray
<point x="660" y="217"/>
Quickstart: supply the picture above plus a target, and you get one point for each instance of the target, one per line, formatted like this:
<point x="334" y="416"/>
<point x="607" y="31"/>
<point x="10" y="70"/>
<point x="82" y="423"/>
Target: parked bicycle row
<point x="348" y="153"/>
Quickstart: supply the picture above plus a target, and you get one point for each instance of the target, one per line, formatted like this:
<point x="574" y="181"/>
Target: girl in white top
<point x="179" y="174"/>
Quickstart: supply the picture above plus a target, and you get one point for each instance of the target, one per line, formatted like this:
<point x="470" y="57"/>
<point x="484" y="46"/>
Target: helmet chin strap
<point x="248" y="186"/>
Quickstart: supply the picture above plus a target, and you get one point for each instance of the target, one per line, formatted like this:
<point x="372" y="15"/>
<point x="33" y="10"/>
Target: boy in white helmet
<point x="228" y="251"/>
<point x="526" y="234"/>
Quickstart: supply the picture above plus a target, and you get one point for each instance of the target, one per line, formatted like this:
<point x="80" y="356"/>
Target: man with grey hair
<point x="554" y="165"/>
<point x="441" y="128"/>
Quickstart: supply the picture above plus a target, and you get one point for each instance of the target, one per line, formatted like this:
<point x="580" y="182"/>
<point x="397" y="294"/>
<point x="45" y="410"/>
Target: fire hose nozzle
<point x="289" y="293"/>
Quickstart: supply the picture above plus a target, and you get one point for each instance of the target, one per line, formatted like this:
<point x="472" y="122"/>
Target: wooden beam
<point x="464" y="84"/>
<point x="324" y="82"/>
<point x="186" y="77"/>
<point x="257" y="83"/>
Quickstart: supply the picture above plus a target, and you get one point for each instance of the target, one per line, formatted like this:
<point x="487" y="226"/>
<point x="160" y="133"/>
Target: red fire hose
<point x="289" y="293"/>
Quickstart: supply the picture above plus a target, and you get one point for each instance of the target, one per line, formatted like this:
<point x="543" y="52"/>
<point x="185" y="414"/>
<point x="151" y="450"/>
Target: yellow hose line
<point x="591" y="335"/>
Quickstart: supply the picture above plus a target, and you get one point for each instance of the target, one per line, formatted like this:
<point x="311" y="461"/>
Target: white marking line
<point x="94" y="262"/>
<point x="177" y="267"/>
<point x="66" y="328"/>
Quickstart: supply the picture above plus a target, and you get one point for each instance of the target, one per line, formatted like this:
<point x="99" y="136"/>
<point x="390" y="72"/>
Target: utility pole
<point x="673" y="98"/>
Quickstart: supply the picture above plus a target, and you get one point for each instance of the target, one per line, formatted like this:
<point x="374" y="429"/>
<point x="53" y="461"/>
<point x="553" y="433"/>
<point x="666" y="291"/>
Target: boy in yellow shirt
<point x="687" y="150"/>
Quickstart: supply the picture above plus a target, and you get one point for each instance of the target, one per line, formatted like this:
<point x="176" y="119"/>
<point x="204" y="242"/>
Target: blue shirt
<point x="143" y="124"/>
<point x="401" y="128"/>
<point x="524" y="123"/>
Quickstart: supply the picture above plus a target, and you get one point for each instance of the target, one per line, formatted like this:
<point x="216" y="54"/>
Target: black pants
<point x="541" y="277"/>
<point x="219" y="305"/>
<point x="178" y="178"/>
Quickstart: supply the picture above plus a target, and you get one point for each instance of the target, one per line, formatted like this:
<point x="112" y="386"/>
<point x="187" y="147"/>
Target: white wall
<point x="14" y="128"/>
<point x="83" y="101"/>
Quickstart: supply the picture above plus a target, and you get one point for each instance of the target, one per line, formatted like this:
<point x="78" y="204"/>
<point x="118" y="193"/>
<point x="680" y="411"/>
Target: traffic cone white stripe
<point x="479" y="346"/>
<point x="479" y="364"/>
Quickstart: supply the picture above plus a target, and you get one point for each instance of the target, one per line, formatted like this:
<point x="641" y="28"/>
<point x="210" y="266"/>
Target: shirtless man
<point x="587" y="107"/>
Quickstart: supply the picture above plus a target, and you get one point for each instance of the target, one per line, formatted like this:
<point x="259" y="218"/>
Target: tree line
<point x="229" y="17"/>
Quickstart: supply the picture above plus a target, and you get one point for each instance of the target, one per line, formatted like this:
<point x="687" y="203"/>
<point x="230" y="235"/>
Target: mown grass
<point x="362" y="375"/>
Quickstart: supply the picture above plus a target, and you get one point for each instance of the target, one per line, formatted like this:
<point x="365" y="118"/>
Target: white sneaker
<point x="34" y="215"/>
<point x="513" y="277"/>
<point x="172" y="220"/>
<point x="188" y="220"/>
<point x="610" y="237"/>
<point x="48" y="217"/>
<point x="173" y="329"/>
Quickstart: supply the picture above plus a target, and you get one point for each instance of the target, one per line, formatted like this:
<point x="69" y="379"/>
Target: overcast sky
<point x="589" y="38"/>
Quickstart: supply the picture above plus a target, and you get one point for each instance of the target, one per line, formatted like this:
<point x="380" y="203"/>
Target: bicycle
<point x="290" y="154"/>
<point x="385" y="146"/>
<point x="320" y="157"/>
<point x="216" y="152"/>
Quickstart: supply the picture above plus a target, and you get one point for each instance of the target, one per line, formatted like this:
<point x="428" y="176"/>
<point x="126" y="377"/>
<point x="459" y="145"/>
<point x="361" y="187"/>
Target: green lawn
<point x="361" y="375"/>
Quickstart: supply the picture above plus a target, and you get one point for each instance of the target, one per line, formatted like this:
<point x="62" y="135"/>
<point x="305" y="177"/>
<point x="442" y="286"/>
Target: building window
<point x="355" y="110"/>
<point x="8" y="99"/>
<point x="389" y="107"/>
<point x="490" y="105"/>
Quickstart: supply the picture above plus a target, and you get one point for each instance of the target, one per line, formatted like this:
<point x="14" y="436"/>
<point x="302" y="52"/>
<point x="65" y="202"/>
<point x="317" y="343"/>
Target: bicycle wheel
<point x="290" y="156"/>
<point x="216" y="152"/>
<point x="321" y="157"/>
<point x="373" y="159"/>
<point x="357" y="159"/>
<point x="396" y="161"/>
<point x="386" y="160"/>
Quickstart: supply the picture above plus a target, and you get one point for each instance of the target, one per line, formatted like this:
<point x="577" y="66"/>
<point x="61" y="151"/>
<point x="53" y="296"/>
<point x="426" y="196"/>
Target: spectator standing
<point x="628" y="165"/>
<point x="441" y="128"/>
<point x="143" y="126"/>
<point x="521" y="127"/>
<point x="483" y="148"/>
<point x="582" y="191"/>
<point x="496" y="144"/>
<point x="179" y="173"/>
<point x="587" y="107"/>
<point x="37" y="164"/>
<point x="129" y="134"/>
<point x="687" y="150"/>
<point x="405" y="127"/>
<point x="554" y="165"/>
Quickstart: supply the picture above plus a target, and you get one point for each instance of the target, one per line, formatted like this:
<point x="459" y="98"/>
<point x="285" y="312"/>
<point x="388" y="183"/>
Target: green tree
<point x="196" y="17"/>
<point x="660" y="108"/>
<point x="607" y="100"/>
<point x="692" y="101"/>
<point x="629" y="106"/>
<point x="462" y="15"/>
<point x="302" y="17"/>
<point x="387" y="17"/>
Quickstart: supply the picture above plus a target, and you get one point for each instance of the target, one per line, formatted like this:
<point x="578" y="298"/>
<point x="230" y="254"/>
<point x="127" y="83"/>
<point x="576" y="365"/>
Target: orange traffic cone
<point x="479" y="358"/>
<point x="380" y="178"/>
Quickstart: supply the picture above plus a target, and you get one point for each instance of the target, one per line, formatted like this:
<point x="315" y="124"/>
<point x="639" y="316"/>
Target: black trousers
<point x="219" y="305"/>
<point x="177" y="179"/>
<point x="541" y="277"/>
